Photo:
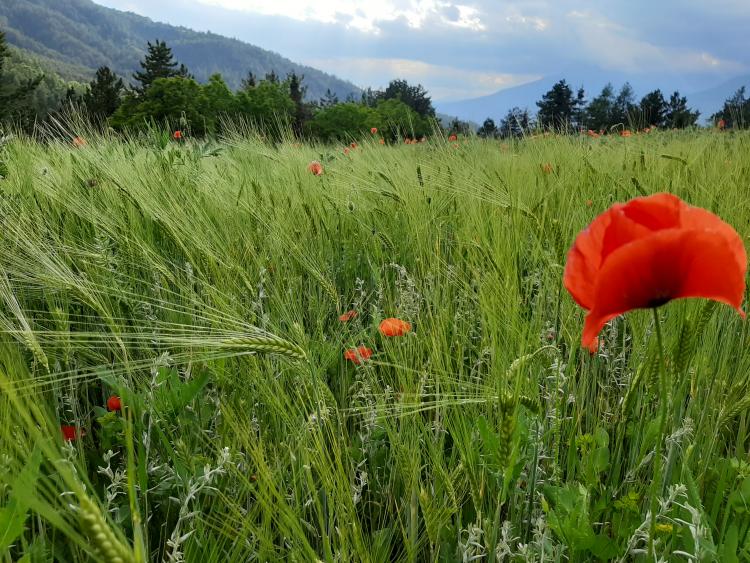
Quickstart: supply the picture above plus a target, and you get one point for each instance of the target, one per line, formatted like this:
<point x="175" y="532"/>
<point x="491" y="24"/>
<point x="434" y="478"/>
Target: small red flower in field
<point x="346" y="150"/>
<point x="71" y="433"/>
<point x="547" y="168"/>
<point x="721" y="124"/>
<point x="79" y="142"/>
<point x="316" y="168"/>
<point x="348" y="316"/>
<point x="382" y="141"/>
<point x="114" y="403"/>
<point x="353" y="145"/>
<point x="625" y="133"/>
<point x="177" y="135"/>
<point x="589" y="202"/>
<point x="374" y="130"/>
<point x="592" y="134"/>
<point x="358" y="355"/>
<point x="453" y="137"/>
<point x="394" y="327"/>
<point x="648" y="251"/>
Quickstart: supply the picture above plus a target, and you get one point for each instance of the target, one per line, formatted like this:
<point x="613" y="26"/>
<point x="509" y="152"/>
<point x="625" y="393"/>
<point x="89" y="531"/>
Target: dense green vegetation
<point x="203" y="284"/>
<point x="78" y="36"/>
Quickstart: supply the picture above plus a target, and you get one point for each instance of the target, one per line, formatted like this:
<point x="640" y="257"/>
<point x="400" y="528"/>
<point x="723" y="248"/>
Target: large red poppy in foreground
<point x="649" y="251"/>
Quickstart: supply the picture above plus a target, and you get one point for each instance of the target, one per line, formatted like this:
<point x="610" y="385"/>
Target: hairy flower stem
<point x="663" y="404"/>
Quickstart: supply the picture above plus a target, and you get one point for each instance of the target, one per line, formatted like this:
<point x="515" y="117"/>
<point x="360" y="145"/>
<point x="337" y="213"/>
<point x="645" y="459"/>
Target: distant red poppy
<point x="589" y="203"/>
<point x="348" y="316"/>
<point x="114" y="403"/>
<point x="177" y="135"/>
<point x="394" y="327"/>
<point x="721" y="124"/>
<point x="374" y="130"/>
<point x="79" y="142"/>
<point x="547" y="168"/>
<point x="625" y="133"/>
<point x="592" y="134"/>
<point x="648" y="251"/>
<point x="346" y="150"/>
<point x="453" y="137"/>
<point x="71" y="433"/>
<point x="382" y="141"/>
<point x="353" y="145"/>
<point x="358" y="355"/>
<point x="316" y="168"/>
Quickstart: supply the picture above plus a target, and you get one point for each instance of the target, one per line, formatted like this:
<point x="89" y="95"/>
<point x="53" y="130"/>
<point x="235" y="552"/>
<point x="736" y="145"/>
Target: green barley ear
<point x="505" y="431"/>
<point x="648" y="370"/>
<point x="102" y="538"/>
<point x="687" y="344"/>
<point x="531" y="403"/>
<point x="264" y="344"/>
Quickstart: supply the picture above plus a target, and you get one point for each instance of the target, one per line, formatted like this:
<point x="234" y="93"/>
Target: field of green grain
<point x="202" y="283"/>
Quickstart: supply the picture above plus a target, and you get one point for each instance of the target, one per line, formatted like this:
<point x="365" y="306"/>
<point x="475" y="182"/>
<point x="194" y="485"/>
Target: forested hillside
<point x="75" y="37"/>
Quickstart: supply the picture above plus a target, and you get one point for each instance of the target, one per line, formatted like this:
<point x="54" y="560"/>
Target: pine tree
<point x="104" y="94"/>
<point x="624" y="105"/>
<point x="600" y="111"/>
<point x="249" y="82"/>
<point x="297" y="93"/>
<point x="557" y="107"/>
<point x="678" y="114"/>
<point x="515" y="123"/>
<point x="159" y="63"/>
<point x="330" y="99"/>
<point x="272" y="77"/>
<point x="488" y="130"/>
<point x="653" y="109"/>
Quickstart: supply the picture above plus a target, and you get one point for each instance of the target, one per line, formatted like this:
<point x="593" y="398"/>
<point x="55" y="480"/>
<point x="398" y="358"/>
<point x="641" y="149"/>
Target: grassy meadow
<point x="202" y="283"/>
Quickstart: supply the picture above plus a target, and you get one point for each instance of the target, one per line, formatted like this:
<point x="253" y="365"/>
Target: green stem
<point x="663" y="405"/>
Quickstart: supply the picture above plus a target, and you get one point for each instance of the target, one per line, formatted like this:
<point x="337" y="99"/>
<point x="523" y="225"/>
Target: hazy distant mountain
<point x="496" y="105"/>
<point x="76" y="36"/>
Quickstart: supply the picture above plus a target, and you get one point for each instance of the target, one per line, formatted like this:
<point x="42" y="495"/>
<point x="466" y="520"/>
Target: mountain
<point x="75" y="37"/>
<point x="496" y="105"/>
<point x="711" y="100"/>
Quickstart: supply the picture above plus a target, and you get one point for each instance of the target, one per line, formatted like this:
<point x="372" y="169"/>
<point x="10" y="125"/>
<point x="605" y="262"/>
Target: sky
<point x="462" y="49"/>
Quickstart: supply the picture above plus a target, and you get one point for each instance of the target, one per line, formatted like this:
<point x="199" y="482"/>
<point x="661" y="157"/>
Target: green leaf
<point x="13" y="515"/>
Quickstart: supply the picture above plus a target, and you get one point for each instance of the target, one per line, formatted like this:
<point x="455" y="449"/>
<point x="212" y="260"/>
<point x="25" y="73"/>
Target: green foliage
<point x="396" y="120"/>
<point x="104" y="94"/>
<point x="343" y="122"/>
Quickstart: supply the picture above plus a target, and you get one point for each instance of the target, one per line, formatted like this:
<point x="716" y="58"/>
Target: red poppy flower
<point x="79" y="142"/>
<point x="346" y="150"/>
<point x="358" y="355"/>
<point x="592" y="134"/>
<point x="374" y="130"/>
<point x="547" y="168"/>
<point x="316" y="168"/>
<point x="177" y="135"/>
<point x="721" y="124"/>
<point x="114" y="403"/>
<point x="71" y="433"/>
<point x="348" y="316"/>
<point x="625" y="133"/>
<point x="353" y="145"/>
<point x="648" y="251"/>
<point x="453" y="138"/>
<point x="382" y="141"/>
<point x="394" y="327"/>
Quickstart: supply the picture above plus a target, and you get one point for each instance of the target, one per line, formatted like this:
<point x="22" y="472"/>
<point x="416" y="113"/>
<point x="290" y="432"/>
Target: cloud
<point x="445" y="82"/>
<point x="363" y="15"/>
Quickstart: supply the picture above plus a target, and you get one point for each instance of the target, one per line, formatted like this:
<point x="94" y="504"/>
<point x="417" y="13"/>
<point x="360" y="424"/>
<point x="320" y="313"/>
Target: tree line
<point x="163" y="92"/>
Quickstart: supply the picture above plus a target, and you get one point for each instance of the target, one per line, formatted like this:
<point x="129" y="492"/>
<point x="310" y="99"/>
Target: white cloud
<point x="364" y="15"/>
<point x="444" y="83"/>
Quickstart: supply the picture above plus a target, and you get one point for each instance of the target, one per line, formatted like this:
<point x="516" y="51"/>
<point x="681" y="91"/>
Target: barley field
<point x="213" y="289"/>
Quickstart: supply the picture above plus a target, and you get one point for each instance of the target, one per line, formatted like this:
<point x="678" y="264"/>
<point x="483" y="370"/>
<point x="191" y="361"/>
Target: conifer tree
<point x="158" y="63"/>
<point x="104" y="94"/>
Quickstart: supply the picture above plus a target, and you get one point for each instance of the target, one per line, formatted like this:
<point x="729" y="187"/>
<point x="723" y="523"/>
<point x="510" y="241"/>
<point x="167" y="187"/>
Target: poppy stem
<point x="663" y="403"/>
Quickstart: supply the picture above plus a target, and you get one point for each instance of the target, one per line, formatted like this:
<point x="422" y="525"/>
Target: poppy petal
<point x="669" y="264"/>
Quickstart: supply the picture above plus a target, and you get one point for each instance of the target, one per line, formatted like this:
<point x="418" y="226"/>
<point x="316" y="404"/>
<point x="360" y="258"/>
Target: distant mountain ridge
<point x="74" y="37"/>
<point x="495" y="106"/>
